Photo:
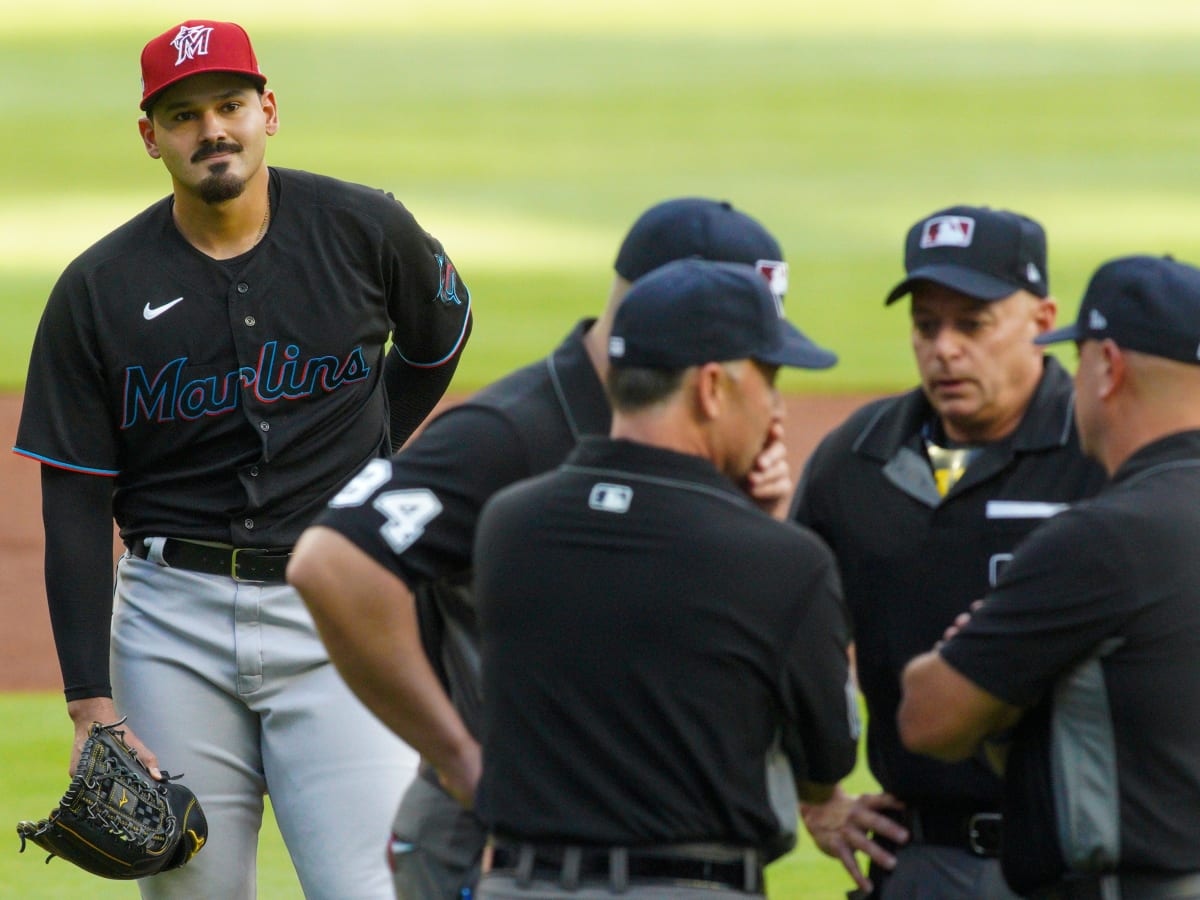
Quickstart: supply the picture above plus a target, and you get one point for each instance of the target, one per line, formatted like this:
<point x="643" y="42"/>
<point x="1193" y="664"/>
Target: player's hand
<point x="769" y="483"/>
<point x="460" y="777"/>
<point x="960" y="622"/>
<point x="101" y="709"/>
<point x="843" y="825"/>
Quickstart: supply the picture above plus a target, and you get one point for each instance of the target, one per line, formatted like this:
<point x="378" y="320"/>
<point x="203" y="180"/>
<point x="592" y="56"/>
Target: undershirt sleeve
<point x="77" y="514"/>
<point x="414" y="391"/>
<point x="818" y="688"/>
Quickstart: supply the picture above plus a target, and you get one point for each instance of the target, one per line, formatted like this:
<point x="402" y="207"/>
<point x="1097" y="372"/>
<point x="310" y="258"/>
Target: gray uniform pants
<point x="931" y="872"/>
<point x="229" y="684"/>
<point x="436" y="845"/>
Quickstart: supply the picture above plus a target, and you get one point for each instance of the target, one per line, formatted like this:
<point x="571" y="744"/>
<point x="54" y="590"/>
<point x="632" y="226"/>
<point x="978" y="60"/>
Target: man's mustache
<point x="215" y="150"/>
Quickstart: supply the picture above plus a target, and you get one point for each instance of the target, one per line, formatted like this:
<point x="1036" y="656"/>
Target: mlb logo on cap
<point x="984" y="253"/>
<point x="775" y="271"/>
<point x="947" y="231"/>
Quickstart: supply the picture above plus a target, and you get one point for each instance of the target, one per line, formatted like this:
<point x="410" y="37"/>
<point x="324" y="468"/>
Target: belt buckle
<point x="233" y="565"/>
<point x="983" y="833"/>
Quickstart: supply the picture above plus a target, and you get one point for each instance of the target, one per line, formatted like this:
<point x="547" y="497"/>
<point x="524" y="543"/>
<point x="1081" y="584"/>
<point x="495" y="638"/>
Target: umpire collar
<point x="577" y="384"/>
<point x="1047" y="422"/>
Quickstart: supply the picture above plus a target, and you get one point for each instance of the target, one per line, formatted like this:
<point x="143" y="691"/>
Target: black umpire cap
<point x="1149" y="304"/>
<point x="698" y="227"/>
<point x="694" y="311"/>
<point x="984" y="253"/>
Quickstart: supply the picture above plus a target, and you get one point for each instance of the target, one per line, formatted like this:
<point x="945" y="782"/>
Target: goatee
<point x="221" y="186"/>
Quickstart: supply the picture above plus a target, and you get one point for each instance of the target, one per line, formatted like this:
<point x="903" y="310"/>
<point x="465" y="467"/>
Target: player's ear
<point x="146" y="127"/>
<point x="271" y="111"/>
<point x="1045" y="313"/>
<point x="1113" y="367"/>
<point x="710" y="390"/>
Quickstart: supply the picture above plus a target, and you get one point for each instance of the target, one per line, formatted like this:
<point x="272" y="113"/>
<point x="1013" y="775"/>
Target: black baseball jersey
<point x="649" y="638"/>
<point x="911" y="560"/>
<point x="229" y="399"/>
<point x="1096" y="627"/>
<point x="521" y="425"/>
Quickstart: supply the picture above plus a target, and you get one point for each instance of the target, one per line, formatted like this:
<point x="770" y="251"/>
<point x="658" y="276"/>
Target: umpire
<point x="395" y="547"/>
<point x="651" y="639"/>
<point x="1089" y="642"/>
<point x="923" y="498"/>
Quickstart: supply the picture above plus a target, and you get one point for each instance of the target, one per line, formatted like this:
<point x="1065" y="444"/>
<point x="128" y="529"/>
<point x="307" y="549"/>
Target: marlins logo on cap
<point x="194" y="47"/>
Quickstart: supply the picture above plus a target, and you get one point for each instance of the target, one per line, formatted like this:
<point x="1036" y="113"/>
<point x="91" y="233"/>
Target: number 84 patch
<point x="406" y="512"/>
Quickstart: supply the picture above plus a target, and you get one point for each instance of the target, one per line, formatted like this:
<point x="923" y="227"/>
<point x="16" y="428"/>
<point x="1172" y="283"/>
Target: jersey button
<point x="250" y="320"/>
<point x="264" y="426"/>
<point x="242" y="287"/>
<point x="249" y="523"/>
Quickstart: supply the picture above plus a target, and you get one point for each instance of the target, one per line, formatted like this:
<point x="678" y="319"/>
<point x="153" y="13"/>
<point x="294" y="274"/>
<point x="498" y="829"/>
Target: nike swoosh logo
<point x="153" y="312"/>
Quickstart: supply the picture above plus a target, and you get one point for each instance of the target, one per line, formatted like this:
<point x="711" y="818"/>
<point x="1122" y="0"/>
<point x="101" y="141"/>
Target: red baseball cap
<point x="196" y="46"/>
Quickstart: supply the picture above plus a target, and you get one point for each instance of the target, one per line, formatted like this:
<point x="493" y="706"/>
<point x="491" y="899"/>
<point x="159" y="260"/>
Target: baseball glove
<point x="115" y="820"/>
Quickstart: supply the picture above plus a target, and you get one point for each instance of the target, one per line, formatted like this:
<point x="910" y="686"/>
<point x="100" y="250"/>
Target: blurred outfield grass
<point x="528" y="134"/>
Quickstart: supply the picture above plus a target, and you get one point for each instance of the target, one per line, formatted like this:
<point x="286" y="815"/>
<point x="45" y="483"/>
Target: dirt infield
<point x="27" y="659"/>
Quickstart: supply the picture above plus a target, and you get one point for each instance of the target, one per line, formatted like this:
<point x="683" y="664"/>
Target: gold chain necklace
<point x="262" y="229"/>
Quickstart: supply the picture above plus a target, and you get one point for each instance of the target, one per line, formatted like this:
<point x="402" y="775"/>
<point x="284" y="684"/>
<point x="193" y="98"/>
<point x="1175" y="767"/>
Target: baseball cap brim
<point x="797" y="351"/>
<point x="966" y="281"/>
<point x="259" y="81"/>
<point x="1059" y="335"/>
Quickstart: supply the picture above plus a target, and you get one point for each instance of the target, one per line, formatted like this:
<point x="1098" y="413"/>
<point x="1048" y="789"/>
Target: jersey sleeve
<point x="66" y="420"/>
<point x="1064" y="592"/>
<point x="429" y="303"/>
<point x="416" y="514"/>
<point x="818" y="689"/>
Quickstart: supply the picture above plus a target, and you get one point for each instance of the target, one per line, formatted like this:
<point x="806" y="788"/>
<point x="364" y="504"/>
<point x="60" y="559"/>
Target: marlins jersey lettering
<point x="126" y="380"/>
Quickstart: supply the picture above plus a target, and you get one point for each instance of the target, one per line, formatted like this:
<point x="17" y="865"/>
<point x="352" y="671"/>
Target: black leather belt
<point x="976" y="831"/>
<point x="736" y="868"/>
<point x="239" y="563"/>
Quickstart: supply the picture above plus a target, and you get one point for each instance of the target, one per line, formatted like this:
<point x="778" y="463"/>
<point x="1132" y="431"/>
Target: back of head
<point x="695" y="227"/>
<point x="984" y="253"/>
<point x="1148" y="304"/>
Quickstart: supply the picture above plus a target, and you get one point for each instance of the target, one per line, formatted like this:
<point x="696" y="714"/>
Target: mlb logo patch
<point x="948" y="231"/>
<point x="610" y="498"/>
<point x="776" y="273"/>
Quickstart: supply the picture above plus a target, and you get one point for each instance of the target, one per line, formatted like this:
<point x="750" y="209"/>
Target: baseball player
<point x="1082" y="659"/>
<point x="210" y="374"/>
<point x="923" y="498"/>
<point x="651" y="640"/>
<point x="388" y="570"/>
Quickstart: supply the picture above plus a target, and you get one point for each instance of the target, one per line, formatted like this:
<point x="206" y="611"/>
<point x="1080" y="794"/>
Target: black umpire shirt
<point x="1096" y="626"/>
<point x="649" y="638"/>
<point x="521" y="425"/>
<point x="912" y="560"/>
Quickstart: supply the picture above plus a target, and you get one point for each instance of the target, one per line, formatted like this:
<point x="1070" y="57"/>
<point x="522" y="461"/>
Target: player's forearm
<point x="943" y="714"/>
<point x="367" y="620"/>
<point x="77" y="514"/>
<point x="414" y="391"/>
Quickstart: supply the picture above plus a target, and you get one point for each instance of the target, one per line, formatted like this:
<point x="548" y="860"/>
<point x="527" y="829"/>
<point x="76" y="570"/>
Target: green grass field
<point x="529" y="134"/>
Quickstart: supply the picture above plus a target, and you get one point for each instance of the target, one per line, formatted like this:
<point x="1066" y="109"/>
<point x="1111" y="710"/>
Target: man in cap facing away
<point x="923" y="498"/>
<point x="655" y="645"/>
<point x="1082" y="659"/>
